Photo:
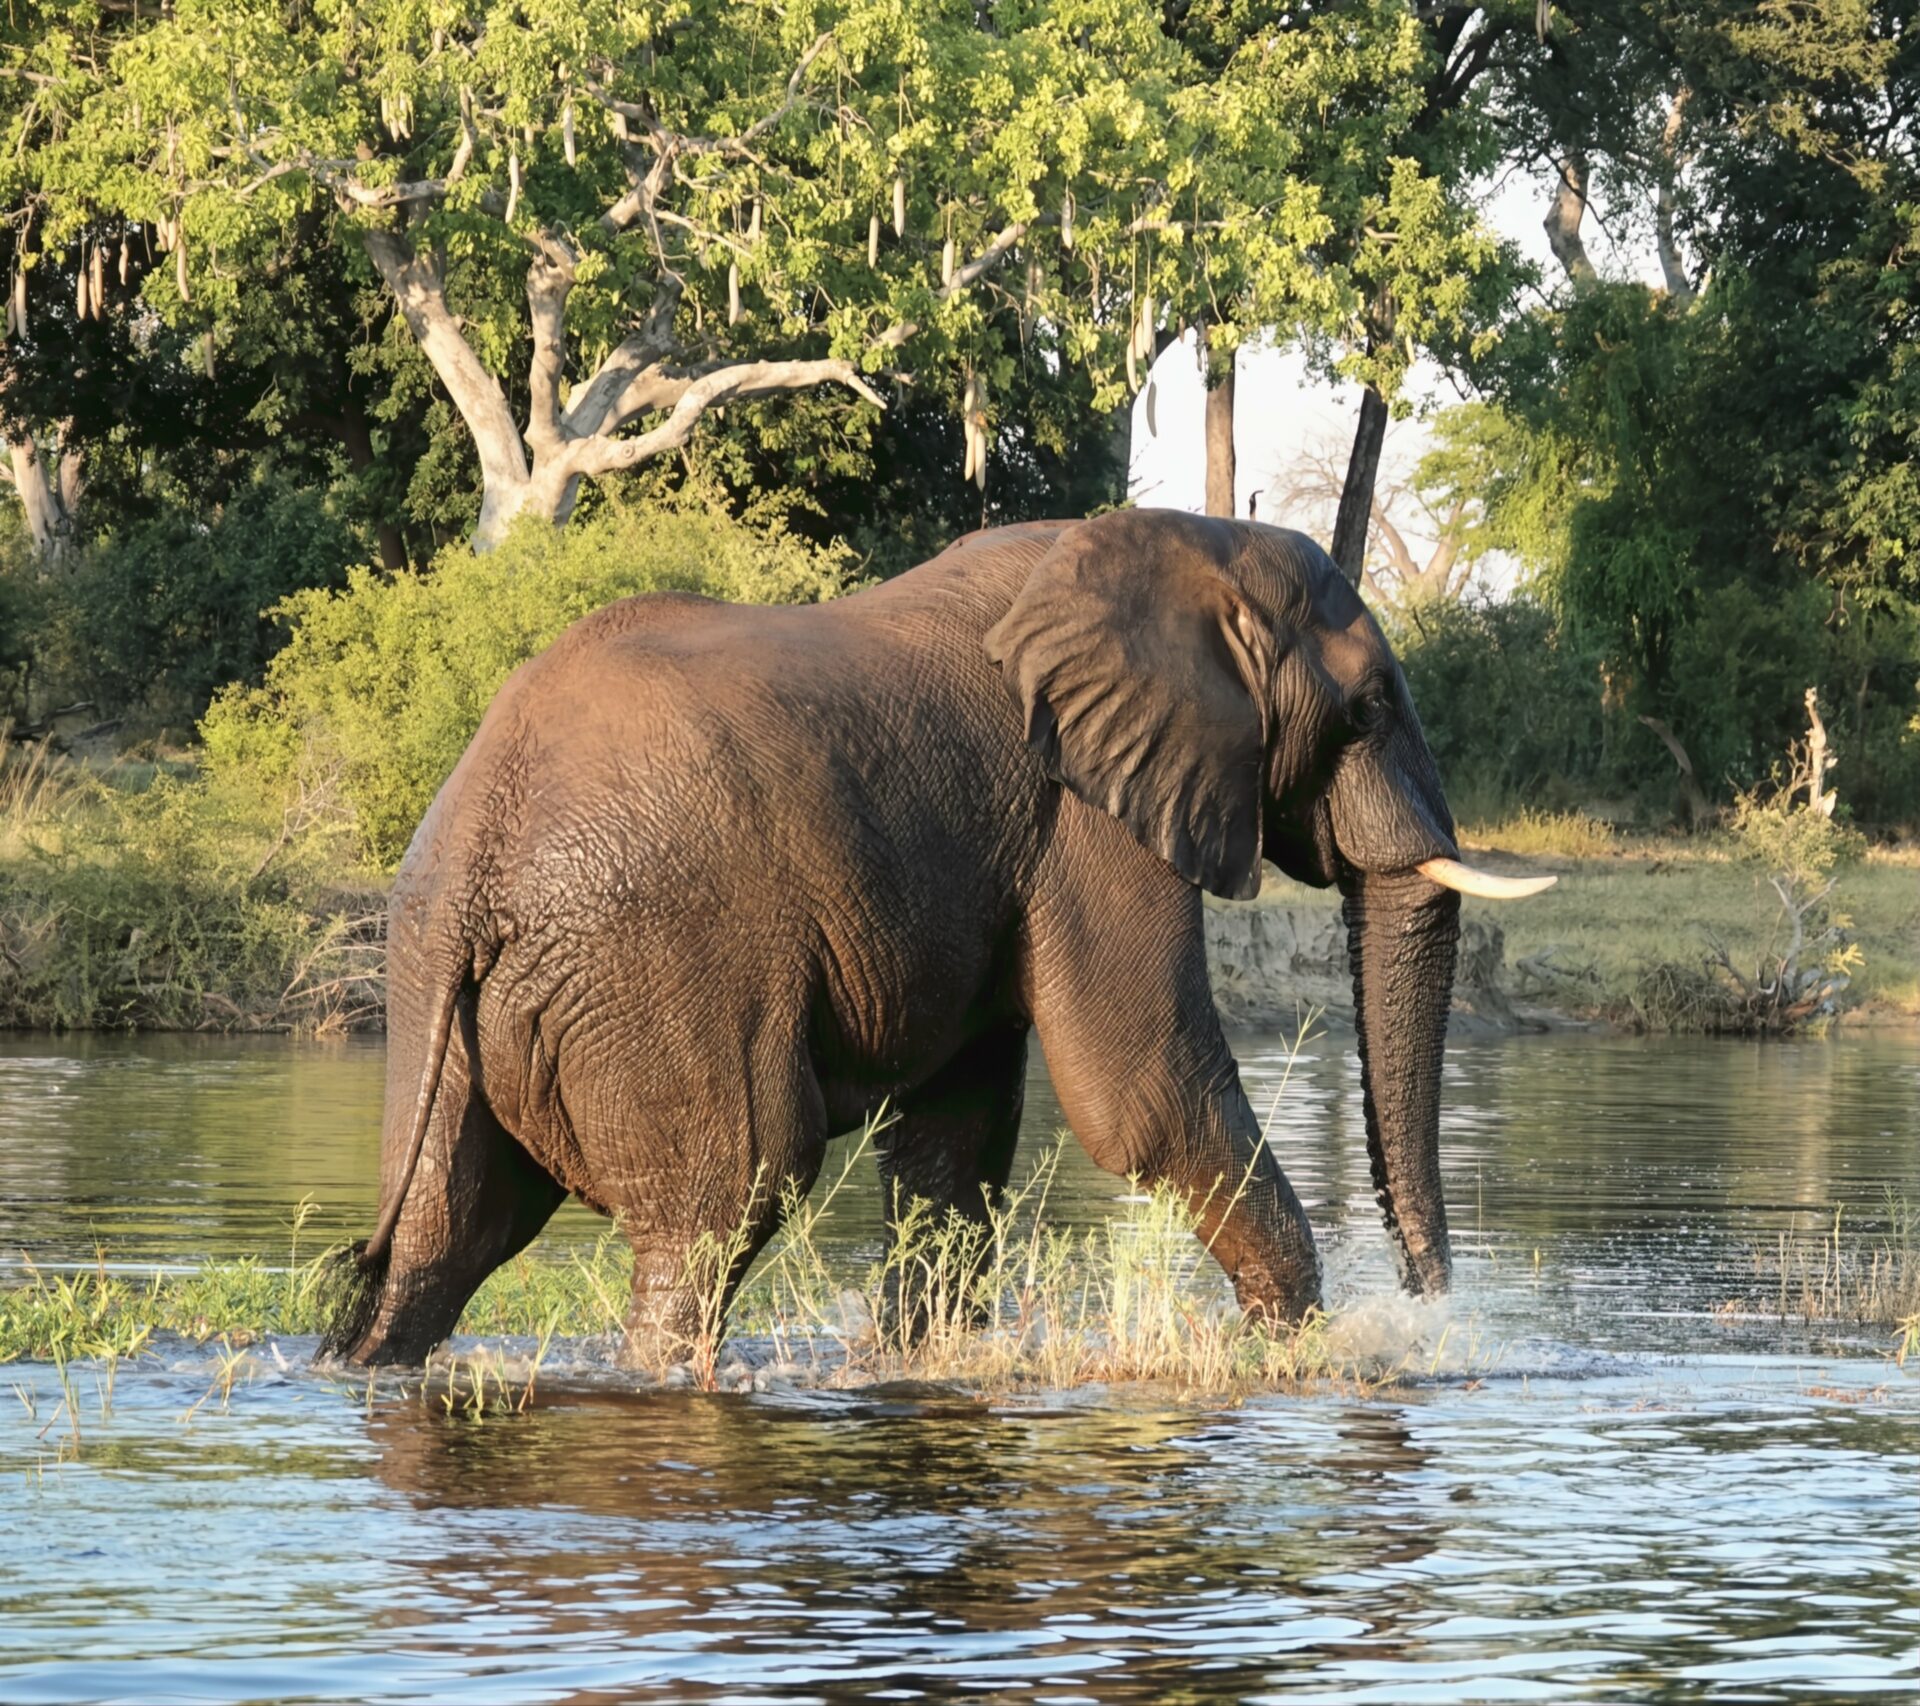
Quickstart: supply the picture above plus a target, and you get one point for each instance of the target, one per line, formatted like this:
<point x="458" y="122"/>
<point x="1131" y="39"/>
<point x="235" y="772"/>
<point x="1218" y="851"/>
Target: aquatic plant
<point x="1866" y="1275"/>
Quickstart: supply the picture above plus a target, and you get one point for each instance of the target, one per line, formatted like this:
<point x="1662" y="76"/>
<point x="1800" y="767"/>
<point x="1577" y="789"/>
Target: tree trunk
<point x="357" y="438"/>
<point x="1673" y="267"/>
<point x="542" y="493"/>
<point x="1219" y="435"/>
<point x="1356" y="496"/>
<point x="1699" y="812"/>
<point x="49" y="493"/>
<point x="1564" y="215"/>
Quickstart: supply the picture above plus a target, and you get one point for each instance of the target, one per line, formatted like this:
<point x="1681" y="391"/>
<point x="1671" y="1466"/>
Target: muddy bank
<point x="1270" y="964"/>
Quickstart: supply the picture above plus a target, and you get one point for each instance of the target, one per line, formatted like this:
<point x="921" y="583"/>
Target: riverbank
<point x="140" y="894"/>
<point x="1599" y="946"/>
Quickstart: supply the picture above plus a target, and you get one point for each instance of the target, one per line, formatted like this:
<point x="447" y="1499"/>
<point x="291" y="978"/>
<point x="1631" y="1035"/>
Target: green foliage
<point x="388" y="677"/>
<point x="768" y="181"/>
<point x="160" y="901"/>
<point x="1800" y="849"/>
<point x="1509" y="702"/>
<point x="163" y="614"/>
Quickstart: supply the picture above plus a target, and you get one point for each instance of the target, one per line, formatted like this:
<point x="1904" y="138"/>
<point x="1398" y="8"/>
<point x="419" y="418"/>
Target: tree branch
<point x="417" y="286"/>
<point x="705" y="388"/>
<point x="604" y="397"/>
<point x="549" y="284"/>
<point x="1564" y="213"/>
<point x="975" y="270"/>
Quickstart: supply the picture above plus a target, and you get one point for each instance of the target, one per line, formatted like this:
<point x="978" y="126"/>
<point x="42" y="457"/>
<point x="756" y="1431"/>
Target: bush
<point x="389" y="676"/>
<point x="1510" y="706"/>
<point x="166" y="612"/>
<point x="160" y="901"/>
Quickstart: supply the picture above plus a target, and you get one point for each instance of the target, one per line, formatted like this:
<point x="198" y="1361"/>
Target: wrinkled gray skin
<point x="712" y="882"/>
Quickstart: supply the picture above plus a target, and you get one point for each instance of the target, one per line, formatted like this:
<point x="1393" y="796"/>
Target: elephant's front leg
<point x="944" y="1163"/>
<point x="1126" y="1016"/>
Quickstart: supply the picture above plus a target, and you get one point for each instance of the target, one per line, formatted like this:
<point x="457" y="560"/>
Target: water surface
<point x="1631" y="1497"/>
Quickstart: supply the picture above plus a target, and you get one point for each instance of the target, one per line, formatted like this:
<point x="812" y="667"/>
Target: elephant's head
<point x="1219" y="688"/>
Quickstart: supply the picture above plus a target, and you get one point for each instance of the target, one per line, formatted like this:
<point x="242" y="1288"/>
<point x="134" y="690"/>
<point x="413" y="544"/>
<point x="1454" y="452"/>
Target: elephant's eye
<point x="1370" y="705"/>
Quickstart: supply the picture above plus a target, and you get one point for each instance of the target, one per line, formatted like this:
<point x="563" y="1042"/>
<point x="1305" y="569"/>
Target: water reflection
<point x="1675" y="1537"/>
<point x="1635" y="1178"/>
<point x="1734" y="1525"/>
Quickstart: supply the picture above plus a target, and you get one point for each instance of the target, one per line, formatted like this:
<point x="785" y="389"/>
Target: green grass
<point x="1861" y="1275"/>
<point x="1020" y="1303"/>
<point x="144" y="897"/>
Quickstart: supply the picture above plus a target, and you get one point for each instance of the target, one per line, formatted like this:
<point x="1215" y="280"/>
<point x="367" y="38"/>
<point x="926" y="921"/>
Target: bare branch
<point x="705" y="388"/>
<point x="418" y="287"/>
<point x="549" y="283"/>
<point x="1564" y="213"/>
<point x="604" y="397"/>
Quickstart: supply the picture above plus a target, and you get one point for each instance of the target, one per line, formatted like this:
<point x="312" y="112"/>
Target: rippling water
<point x="1640" y="1501"/>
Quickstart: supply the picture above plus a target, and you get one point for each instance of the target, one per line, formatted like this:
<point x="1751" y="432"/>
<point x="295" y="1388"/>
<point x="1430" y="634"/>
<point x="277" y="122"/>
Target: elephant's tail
<point x="374" y="1252"/>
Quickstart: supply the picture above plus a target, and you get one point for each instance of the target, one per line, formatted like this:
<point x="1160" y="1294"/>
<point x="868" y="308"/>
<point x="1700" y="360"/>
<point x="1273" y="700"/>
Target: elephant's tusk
<point x="1451" y="874"/>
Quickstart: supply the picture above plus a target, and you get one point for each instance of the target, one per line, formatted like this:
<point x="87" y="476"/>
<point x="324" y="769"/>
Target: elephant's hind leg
<point x="950" y="1152"/>
<point x="704" y="1189"/>
<point x="476" y="1200"/>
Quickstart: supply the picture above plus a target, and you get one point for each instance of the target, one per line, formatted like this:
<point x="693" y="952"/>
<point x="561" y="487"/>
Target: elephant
<point x="712" y="883"/>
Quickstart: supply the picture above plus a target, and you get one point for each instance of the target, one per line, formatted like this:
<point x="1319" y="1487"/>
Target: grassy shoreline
<point x="1021" y="1304"/>
<point x="143" y="895"/>
<point x="1627" y="904"/>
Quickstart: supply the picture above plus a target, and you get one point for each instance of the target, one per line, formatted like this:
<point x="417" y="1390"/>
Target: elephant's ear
<point x="1143" y="673"/>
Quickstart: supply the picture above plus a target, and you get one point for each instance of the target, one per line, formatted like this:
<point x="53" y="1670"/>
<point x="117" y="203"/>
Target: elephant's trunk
<point x="1402" y="930"/>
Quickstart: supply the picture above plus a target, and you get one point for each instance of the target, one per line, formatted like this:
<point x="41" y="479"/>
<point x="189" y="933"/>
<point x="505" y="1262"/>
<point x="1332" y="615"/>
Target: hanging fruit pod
<point x="946" y="265"/>
<point x="206" y="353"/>
<point x="566" y="133"/>
<point x="873" y="241"/>
<point x="513" y="182"/>
<point x="99" y="281"/>
<point x="80" y="287"/>
<point x="180" y="263"/>
<point x="126" y="249"/>
<point x="973" y="420"/>
<point x="753" y="222"/>
<point x="969" y="407"/>
<point x="733" y="294"/>
<point x="1066" y="220"/>
<point x="899" y="205"/>
<point x="20" y="300"/>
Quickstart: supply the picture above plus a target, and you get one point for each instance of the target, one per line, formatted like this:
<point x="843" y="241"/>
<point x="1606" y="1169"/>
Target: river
<point x="1624" y="1491"/>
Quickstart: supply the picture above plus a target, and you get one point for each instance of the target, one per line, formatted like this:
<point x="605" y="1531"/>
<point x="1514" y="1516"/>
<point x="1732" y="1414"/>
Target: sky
<point x="1280" y="413"/>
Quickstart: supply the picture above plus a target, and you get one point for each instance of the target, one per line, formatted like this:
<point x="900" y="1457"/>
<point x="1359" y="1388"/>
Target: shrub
<point x="390" y="675"/>
<point x="165" y="902"/>
<point x="162" y="614"/>
<point x="1511" y="707"/>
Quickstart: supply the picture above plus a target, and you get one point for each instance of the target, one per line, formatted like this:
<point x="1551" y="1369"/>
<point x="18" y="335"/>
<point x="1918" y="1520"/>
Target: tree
<point x="1714" y="479"/>
<point x="1427" y="535"/>
<point x="604" y="225"/>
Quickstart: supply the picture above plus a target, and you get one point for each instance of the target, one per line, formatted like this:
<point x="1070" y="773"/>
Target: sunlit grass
<point x="1586" y="944"/>
<point x="1570" y="834"/>
<point x="1021" y="1302"/>
<point x="1865" y="1275"/>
